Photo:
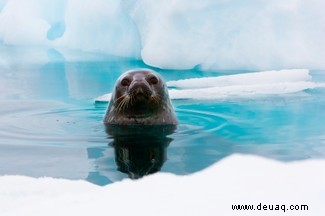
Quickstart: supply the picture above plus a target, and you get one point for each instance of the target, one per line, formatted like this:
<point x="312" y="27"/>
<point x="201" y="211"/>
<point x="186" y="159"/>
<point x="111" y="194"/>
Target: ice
<point x="103" y="98"/>
<point x="265" y="77"/>
<point x="175" y="34"/>
<point x="21" y="23"/>
<point x="238" y="86"/>
<point x="235" y="180"/>
<point x="100" y="26"/>
<point x="247" y="91"/>
<point x="95" y="26"/>
<point x="254" y="34"/>
<point x="2" y="4"/>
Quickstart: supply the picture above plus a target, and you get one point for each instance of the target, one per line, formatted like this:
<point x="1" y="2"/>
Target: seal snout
<point x="140" y="90"/>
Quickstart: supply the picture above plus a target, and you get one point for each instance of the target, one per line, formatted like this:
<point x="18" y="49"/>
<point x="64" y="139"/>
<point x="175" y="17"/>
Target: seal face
<point x="140" y="97"/>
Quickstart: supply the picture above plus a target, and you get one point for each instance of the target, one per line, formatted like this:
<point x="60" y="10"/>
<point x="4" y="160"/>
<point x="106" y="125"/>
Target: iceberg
<point x="95" y="26"/>
<point x="100" y="26"/>
<point x="175" y="34"/>
<point x="230" y="34"/>
<point x="243" y="85"/>
<point x="235" y="180"/>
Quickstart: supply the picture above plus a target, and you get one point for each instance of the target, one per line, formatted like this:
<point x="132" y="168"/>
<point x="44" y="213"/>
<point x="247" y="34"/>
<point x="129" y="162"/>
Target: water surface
<point x="50" y="126"/>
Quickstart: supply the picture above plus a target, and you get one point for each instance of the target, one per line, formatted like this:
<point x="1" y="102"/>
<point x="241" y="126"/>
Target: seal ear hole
<point x="125" y="82"/>
<point x="153" y="80"/>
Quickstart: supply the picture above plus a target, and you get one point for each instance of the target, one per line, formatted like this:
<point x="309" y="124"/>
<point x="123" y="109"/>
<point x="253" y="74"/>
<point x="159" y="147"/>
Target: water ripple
<point x="39" y="123"/>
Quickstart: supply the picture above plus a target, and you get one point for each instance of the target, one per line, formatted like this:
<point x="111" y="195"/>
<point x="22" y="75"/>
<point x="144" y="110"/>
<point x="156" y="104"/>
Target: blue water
<point x="50" y="126"/>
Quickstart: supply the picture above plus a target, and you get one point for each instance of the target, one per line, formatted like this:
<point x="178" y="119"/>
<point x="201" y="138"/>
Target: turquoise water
<point x="50" y="125"/>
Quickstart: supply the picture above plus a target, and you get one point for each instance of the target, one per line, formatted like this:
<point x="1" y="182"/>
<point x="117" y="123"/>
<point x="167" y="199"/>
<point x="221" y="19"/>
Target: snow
<point x="238" y="86"/>
<point x="241" y="91"/>
<point x="175" y="34"/>
<point x="237" y="179"/>
<point x="265" y="77"/>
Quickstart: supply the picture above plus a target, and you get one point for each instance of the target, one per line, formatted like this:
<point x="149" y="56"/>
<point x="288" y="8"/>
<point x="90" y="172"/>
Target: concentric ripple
<point x="52" y="123"/>
<point x="196" y="121"/>
<point x="42" y="123"/>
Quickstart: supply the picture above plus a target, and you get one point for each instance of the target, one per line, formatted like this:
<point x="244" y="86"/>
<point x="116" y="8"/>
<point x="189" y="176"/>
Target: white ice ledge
<point x="239" y="85"/>
<point x="236" y="180"/>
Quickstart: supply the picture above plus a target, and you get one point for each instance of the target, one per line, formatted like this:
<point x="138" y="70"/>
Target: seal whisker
<point x="118" y="102"/>
<point x="126" y="103"/>
<point x="122" y="103"/>
<point x="132" y="100"/>
<point x="118" y="107"/>
<point x="156" y="98"/>
<point x="121" y="97"/>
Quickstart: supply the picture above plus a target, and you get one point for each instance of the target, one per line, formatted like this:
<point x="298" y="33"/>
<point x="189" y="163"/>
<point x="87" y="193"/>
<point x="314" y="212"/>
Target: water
<point x="50" y="125"/>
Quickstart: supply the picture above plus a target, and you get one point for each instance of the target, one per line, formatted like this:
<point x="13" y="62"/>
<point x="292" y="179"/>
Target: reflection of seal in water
<point x="140" y="97"/>
<point x="139" y="156"/>
<point x="140" y="149"/>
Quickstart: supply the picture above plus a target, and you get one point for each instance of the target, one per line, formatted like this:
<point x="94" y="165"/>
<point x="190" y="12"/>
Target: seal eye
<point x="125" y="82"/>
<point x="153" y="80"/>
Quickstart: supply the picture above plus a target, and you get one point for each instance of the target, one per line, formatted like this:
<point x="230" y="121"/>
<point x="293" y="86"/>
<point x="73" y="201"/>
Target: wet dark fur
<point x="140" y="97"/>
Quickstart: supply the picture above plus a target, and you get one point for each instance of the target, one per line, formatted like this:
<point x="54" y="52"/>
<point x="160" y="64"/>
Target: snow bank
<point x="236" y="180"/>
<point x="239" y="85"/>
<point x="177" y="34"/>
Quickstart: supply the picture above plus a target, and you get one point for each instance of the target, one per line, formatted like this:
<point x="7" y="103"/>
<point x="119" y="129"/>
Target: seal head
<point x="140" y="97"/>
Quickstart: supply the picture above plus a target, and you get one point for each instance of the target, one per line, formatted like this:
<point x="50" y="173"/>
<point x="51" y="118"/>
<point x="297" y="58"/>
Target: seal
<point x="140" y="97"/>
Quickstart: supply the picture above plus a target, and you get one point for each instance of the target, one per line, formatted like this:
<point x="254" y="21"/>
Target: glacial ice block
<point x="175" y="34"/>
<point x="266" y="77"/>
<point x="254" y="35"/>
<point x="239" y="85"/>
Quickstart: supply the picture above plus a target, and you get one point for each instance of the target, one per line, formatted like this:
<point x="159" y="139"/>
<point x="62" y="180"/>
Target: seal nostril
<point x="139" y="90"/>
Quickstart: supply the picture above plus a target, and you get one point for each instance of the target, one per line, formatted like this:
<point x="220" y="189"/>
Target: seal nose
<point x="138" y="81"/>
<point x="138" y="78"/>
<point x="138" y="84"/>
<point x="140" y="87"/>
<point x="139" y="90"/>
